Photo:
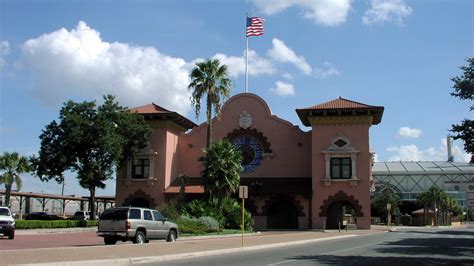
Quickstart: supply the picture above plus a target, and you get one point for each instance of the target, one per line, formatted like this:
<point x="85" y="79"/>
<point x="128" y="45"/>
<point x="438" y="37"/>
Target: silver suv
<point x="136" y="224"/>
<point x="7" y="223"/>
<point x="82" y="215"/>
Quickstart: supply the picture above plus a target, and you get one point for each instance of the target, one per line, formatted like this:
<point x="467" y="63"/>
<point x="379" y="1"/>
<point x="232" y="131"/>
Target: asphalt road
<point x="403" y="247"/>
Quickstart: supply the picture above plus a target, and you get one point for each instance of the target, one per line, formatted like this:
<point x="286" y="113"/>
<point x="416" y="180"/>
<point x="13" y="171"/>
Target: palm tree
<point x="209" y="78"/>
<point x="221" y="169"/>
<point x="12" y="165"/>
<point x="434" y="197"/>
<point x="425" y="201"/>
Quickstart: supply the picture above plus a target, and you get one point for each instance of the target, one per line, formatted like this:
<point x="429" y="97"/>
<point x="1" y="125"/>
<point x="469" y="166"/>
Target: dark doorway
<point x="140" y="202"/>
<point x="282" y="214"/>
<point x="338" y="212"/>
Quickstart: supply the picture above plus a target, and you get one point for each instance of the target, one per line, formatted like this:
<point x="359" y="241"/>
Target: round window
<point x="471" y="187"/>
<point x="456" y="187"/>
<point x="252" y="152"/>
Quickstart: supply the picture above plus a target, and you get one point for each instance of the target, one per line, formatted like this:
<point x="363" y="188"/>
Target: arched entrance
<point x="282" y="214"/>
<point x="338" y="212"/>
<point x="140" y="202"/>
<point x="340" y="207"/>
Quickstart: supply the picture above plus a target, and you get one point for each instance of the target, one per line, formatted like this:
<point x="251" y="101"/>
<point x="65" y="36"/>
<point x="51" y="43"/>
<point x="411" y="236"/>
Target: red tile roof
<point x="151" y="109"/>
<point x="187" y="189"/>
<point x="154" y="111"/>
<point x="340" y="103"/>
<point x="340" y="107"/>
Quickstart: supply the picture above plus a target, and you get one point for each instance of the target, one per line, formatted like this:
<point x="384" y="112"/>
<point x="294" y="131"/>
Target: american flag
<point x="255" y="26"/>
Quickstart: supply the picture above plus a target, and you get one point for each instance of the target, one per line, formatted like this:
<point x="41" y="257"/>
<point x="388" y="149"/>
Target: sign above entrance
<point x="245" y="120"/>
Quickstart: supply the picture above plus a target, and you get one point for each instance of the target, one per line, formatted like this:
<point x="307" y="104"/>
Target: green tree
<point x="221" y="169"/>
<point x="209" y="79"/>
<point x="92" y="141"/>
<point x="382" y="198"/>
<point x="464" y="90"/>
<point x="12" y="165"/>
<point x="433" y="198"/>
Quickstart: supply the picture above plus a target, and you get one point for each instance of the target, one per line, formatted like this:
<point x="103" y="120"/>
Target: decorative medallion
<point x="245" y="120"/>
<point x="252" y="152"/>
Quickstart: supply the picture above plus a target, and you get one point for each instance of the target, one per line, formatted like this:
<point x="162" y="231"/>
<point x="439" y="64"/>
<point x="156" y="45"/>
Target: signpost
<point x="243" y="194"/>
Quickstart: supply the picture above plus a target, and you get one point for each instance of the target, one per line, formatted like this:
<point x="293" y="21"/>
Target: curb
<point x="153" y="259"/>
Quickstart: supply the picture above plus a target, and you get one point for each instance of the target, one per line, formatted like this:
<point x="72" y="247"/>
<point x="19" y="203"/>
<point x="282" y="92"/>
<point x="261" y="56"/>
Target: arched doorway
<point x="338" y="212"/>
<point x="282" y="214"/>
<point x="140" y="202"/>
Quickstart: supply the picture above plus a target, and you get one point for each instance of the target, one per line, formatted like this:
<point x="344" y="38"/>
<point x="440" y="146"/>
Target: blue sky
<point x="395" y="53"/>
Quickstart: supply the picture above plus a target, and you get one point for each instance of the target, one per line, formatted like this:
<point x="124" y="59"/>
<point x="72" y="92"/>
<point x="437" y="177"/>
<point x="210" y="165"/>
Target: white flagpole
<point x="246" y="54"/>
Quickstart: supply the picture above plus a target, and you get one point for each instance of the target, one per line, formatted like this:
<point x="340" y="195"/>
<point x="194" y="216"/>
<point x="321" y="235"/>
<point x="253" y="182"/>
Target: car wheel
<point x="110" y="240"/>
<point x="139" y="238"/>
<point x="171" y="236"/>
<point x="12" y="235"/>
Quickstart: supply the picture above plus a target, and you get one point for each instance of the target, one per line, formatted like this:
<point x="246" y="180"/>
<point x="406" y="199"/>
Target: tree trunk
<point x="425" y="214"/>
<point x="92" y="203"/>
<point x="209" y="121"/>
<point x="8" y="190"/>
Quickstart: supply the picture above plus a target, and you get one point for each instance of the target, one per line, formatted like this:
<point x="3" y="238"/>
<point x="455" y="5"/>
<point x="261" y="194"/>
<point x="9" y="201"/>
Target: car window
<point x="158" y="216"/>
<point x="114" y="214"/>
<point x="4" y="212"/>
<point x="78" y="214"/>
<point x="135" y="214"/>
<point x="147" y="215"/>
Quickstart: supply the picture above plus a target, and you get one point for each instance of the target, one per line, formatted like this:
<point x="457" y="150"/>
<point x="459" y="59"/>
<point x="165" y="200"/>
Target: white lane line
<point x="342" y="250"/>
<point x="281" y="262"/>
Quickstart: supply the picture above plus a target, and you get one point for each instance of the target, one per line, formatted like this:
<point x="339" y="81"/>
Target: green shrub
<point x="232" y="210"/>
<point x="189" y="225"/>
<point x="227" y="212"/>
<point x="211" y="223"/>
<point x="38" y="224"/>
<point x="170" y="211"/>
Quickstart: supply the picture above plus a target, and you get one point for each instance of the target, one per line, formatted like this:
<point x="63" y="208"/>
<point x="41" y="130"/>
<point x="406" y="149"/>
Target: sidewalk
<point x="156" y="251"/>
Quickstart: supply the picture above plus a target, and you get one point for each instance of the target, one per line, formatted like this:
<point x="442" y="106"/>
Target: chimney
<point x="450" y="146"/>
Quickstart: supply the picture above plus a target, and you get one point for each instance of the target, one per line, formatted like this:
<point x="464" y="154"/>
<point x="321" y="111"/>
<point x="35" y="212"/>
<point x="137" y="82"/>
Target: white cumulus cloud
<point x="413" y="153"/>
<point x="283" y="89"/>
<point x="386" y="11"/>
<point x="324" y="12"/>
<point x="326" y="70"/>
<point x="282" y="53"/>
<point x="287" y="76"/>
<point x="236" y="65"/>
<point x="4" y="51"/>
<point x="78" y="62"/>
<point x="407" y="132"/>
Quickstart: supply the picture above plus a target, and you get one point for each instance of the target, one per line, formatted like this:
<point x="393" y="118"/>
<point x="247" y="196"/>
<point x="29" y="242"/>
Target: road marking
<point x="281" y="262"/>
<point x="337" y="251"/>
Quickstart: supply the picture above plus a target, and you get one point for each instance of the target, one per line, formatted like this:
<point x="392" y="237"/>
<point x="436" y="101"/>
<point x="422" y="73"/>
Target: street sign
<point x="243" y="192"/>
<point x="389" y="206"/>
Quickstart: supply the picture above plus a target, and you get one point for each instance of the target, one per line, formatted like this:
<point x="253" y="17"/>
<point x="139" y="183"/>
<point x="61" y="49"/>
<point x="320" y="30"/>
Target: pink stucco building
<point x="296" y="179"/>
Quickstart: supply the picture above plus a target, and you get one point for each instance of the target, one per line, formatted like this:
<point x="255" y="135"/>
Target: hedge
<point x="35" y="224"/>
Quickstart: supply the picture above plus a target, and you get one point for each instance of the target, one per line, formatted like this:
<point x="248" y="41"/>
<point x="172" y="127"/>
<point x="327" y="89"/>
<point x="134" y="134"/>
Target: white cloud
<point x="326" y="70"/>
<point x="407" y="132"/>
<point x="386" y="11"/>
<point x="283" y="89"/>
<point x="72" y="63"/>
<point x="413" y="153"/>
<point x="325" y="12"/>
<point x="287" y="76"/>
<point x="281" y="53"/>
<point x="236" y="65"/>
<point x="4" y="51"/>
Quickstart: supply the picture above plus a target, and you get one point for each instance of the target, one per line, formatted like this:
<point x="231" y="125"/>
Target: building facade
<point x="296" y="179"/>
<point x="410" y="179"/>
